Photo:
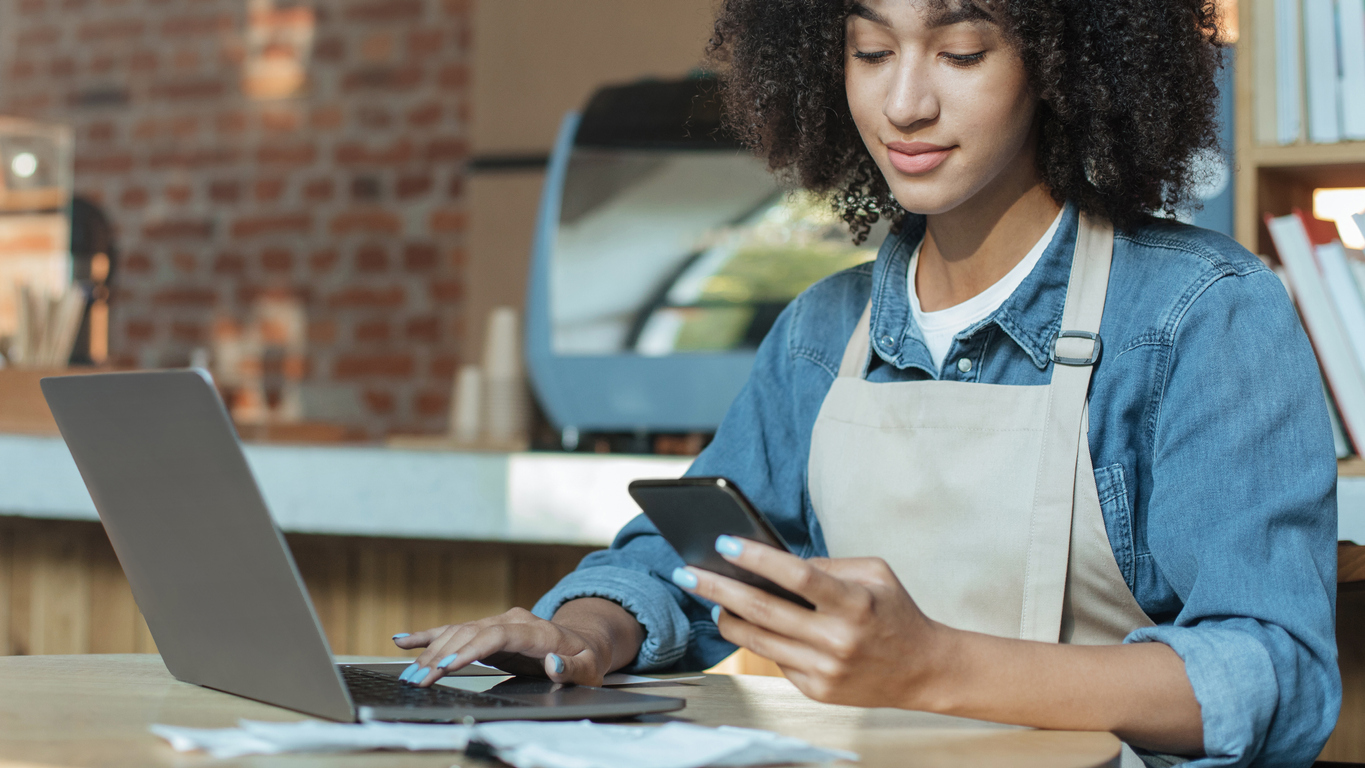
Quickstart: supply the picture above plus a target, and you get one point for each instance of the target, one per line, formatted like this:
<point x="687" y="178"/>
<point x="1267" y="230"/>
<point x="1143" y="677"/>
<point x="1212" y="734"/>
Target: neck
<point x="968" y="249"/>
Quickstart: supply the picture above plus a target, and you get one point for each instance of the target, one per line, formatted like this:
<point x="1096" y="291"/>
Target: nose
<point x="912" y="98"/>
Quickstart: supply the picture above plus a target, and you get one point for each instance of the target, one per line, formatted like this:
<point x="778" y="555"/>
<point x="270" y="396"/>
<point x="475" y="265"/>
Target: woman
<point x="989" y="468"/>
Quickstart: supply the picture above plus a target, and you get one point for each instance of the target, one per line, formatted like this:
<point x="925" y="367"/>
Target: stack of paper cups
<point x="466" y="404"/>
<point x="505" y="401"/>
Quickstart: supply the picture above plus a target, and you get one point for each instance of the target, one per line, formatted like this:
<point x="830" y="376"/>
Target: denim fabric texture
<point x="1208" y="432"/>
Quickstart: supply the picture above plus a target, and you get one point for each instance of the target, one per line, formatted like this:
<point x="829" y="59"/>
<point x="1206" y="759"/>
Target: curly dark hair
<point x="1128" y="96"/>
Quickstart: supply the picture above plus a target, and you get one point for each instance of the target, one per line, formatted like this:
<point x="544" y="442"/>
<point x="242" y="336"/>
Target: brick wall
<point x="251" y="150"/>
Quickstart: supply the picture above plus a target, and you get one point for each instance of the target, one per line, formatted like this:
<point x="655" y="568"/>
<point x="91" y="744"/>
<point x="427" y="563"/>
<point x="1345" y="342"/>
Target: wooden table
<point x="93" y="710"/>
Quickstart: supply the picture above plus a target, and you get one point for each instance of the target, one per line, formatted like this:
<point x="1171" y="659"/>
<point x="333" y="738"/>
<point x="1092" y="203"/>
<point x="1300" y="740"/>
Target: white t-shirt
<point x="940" y="327"/>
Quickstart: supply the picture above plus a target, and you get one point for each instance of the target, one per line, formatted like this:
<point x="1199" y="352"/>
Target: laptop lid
<point x="208" y="568"/>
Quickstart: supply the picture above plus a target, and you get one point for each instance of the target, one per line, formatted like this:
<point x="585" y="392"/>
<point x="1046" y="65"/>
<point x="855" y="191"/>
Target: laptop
<point x="216" y="581"/>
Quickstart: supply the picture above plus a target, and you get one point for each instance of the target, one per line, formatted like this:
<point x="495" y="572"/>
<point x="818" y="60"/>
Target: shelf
<point x="1259" y="156"/>
<point x="1273" y="179"/>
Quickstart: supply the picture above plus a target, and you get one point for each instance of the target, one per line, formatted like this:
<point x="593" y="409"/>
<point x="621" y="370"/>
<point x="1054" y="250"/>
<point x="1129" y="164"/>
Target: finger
<point x="786" y="652"/>
<point x="455" y="635"/>
<point x="758" y="607"/>
<point x="410" y="640"/>
<point x="580" y="668"/>
<point x="440" y="655"/>
<point x="785" y="570"/>
<point x="424" y="638"/>
<point x="533" y="640"/>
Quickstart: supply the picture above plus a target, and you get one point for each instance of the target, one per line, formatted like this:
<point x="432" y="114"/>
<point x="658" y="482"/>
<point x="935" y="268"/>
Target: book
<point x="1320" y="65"/>
<point x="1288" y="72"/>
<point x="1263" y="72"/>
<point x="1351" y="47"/>
<point x="1344" y="376"/>
<point x="1345" y="293"/>
<point x="1339" y="442"/>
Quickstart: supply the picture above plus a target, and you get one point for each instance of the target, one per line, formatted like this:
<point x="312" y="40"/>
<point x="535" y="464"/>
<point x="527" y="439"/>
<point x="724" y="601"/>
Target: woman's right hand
<point x="587" y="639"/>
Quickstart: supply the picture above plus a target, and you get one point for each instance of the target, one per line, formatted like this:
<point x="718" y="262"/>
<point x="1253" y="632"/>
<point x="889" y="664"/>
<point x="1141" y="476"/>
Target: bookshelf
<point x="1276" y="179"/>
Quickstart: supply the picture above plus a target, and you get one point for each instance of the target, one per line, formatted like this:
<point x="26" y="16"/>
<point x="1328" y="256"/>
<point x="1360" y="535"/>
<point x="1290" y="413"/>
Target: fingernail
<point x="443" y="663"/>
<point x="684" y="578"/>
<point x="422" y="674"/>
<point x="729" y="545"/>
<point x="715" y="614"/>
<point x="556" y="663"/>
<point x="402" y="635"/>
<point x="408" y="672"/>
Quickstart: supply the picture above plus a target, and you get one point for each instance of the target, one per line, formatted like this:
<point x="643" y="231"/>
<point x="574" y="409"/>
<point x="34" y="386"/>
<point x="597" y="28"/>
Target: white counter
<point x="374" y="491"/>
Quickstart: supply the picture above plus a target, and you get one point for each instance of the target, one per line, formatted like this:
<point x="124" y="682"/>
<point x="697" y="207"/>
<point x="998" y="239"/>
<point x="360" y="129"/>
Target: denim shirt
<point x="1209" y="436"/>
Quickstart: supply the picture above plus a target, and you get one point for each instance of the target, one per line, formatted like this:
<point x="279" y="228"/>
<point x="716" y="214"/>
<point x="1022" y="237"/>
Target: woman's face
<point x="940" y="98"/>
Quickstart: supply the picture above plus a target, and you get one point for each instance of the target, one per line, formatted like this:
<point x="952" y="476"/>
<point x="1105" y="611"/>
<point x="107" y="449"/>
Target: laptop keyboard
<point x="374" y="689"/>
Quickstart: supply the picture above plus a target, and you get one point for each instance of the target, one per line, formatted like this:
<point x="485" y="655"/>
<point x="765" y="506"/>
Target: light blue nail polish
<point x="402" y="635"/>
<point x="684" y="578"/>
<point x="422" y="674"/>
<point x="556" y="663"/>
<point x="729" y="545"/>
<point x="715" y="614"/>
<point x="443" y="663"/>
<point x="408" y="672"/>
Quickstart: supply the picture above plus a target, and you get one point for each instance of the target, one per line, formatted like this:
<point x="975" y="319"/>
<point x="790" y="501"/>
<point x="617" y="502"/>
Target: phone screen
<point x="692" y="512"/>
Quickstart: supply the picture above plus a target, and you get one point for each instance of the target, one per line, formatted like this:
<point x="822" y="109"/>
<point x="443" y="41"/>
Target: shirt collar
<point x="1031" y="316"/>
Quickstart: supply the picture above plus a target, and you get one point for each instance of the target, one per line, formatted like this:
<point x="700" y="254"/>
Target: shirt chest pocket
<point x="1118" y="517"/>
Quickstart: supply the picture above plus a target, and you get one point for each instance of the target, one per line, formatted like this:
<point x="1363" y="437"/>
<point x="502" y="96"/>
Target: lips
<point x="916" y="157"/>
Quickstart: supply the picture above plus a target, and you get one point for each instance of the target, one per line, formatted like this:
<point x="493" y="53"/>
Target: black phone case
<point x="691" y="512"/>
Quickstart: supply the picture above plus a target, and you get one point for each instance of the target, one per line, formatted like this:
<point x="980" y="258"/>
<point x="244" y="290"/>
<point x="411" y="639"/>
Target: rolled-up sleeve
<point x="1242" y="523"/>
<point x="761" y="448"/>
<point x="617" y="575"/>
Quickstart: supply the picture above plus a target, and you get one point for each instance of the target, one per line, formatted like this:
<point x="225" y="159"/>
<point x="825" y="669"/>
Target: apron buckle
<point x="1078" y="361"/>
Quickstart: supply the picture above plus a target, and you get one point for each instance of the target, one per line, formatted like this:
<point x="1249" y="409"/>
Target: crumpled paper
<point x="523" y="744"/>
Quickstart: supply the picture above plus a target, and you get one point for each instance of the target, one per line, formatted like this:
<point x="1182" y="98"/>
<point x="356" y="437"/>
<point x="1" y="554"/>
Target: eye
<point x="871" y="56"/>
<point x="965" y="59"/>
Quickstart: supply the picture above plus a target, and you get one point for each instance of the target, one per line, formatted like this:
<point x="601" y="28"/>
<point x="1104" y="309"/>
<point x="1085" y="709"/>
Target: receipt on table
<point x="523" y="744"/>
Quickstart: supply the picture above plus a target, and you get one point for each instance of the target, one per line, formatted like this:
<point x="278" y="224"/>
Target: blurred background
<point x="410" y="239"/>
<point x="324" y="202"/>
<point x="359" y="177"/>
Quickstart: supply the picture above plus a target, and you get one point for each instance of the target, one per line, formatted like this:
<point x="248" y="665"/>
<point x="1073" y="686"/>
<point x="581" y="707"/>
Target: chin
<point x="928" y="199"/>
<point x="939" y="191"/>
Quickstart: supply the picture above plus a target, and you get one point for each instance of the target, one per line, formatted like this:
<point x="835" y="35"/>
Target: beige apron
<point x="981" y="497"/>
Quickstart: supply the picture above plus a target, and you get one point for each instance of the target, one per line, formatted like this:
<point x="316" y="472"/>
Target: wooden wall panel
<point x="378" y="610"/>
<point x="1347" y="744"/>
<point x="6" y="550"/>
<point x="62" y="590"/>
<point x="535" y="572"/>
<point x="113" y="613"/>
<point x="61" y="593"/>
<point x="325" y="566"/>
<point x="22" y="540"/>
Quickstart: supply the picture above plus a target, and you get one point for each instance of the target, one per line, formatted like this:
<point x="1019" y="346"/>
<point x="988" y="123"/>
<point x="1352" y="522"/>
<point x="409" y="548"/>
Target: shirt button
<point x="888" y="342"/>
<point x="964" y="365"/>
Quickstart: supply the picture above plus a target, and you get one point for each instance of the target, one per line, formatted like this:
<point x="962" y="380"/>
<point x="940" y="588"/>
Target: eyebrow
<point x="863" y="12"/>
<point x="967" y="11"/>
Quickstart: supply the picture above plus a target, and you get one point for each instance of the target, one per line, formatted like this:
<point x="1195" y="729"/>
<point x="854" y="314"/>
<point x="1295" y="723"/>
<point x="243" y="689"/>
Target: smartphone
<point x="691" y="512"/>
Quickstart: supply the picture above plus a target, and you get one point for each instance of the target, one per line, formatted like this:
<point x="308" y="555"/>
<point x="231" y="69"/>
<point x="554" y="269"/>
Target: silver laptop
<point x="216" y="581"/>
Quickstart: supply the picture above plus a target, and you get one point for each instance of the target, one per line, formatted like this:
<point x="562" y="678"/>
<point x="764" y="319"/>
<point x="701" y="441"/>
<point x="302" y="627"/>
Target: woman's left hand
<point x="865" y="644"/>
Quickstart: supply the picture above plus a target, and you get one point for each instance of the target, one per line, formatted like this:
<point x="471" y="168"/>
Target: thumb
<point x="580" y="668"/>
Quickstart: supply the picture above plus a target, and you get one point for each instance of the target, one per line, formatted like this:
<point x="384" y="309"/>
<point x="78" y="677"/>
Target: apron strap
<point x="859" y="347"/>
<point x="1074" y="353"/>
